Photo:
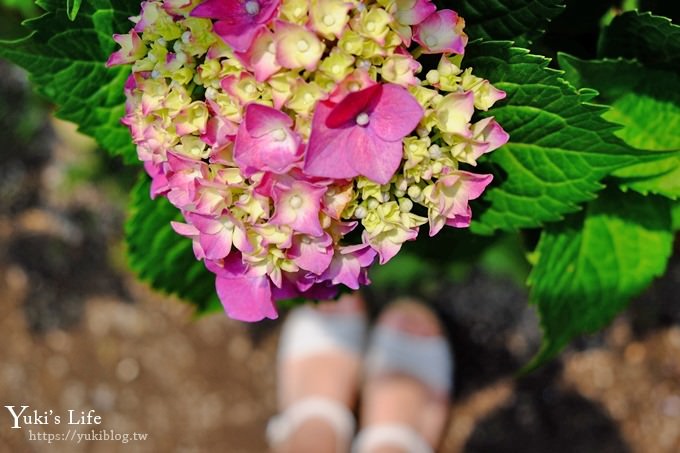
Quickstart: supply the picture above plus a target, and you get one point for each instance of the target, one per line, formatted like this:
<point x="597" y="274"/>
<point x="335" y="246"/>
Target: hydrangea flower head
<point x="302" y="140"/>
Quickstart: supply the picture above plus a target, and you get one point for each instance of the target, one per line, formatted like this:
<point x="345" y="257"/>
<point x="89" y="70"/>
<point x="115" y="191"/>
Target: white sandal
<point x="401" y="436"/>
<point x="307" y="332"/>
<point x="338" y="416"/>
<point x="428" y="359"/>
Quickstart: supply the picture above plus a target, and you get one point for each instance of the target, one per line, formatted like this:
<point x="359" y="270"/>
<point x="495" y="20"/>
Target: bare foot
<point x="394" y="396"/>
<point x="310" y="367"/>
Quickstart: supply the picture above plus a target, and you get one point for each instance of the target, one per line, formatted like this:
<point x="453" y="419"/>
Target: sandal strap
<point x="427" y="359"/>
<point x="309" y="331"/>
<point x="281" y="426"/>
<point x="401" y="436"/>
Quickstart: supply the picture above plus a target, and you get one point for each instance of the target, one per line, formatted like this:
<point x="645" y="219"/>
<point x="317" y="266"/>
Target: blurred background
<point x="79" y="332"/>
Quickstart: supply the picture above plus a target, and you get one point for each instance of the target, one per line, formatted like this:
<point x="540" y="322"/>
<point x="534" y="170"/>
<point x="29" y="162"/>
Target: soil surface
<point x="80" y="333"/>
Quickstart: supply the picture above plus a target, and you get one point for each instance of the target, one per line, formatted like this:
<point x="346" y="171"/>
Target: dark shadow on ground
<point x="493" y="331"/>
<point x="659" y="306"/>
<point x="542" y="418"/>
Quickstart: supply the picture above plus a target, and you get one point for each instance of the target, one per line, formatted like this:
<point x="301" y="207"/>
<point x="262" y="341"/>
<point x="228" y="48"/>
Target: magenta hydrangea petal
<point x="357" y="80"/>
<point x="349" y="265"/>
<point x="372" y="157"/>
<point x="396" y="114"/>
<point x="205" y="224"/>
<point x="240" y="36"/>
<point x="219" y="131"/>
<point x="321" y="291"/>
<point x="452" y="194"/>
<point x="441" y="32"/>
<point x="132" y="48"/>
<point x="298" y="207"/>
<point x="230" y="267"/>
<point x="320" y="157"/>
<point x="259" y="56"/>
<point x="412" y="12"/>
<point x="490" y="132"/>
<point x="265" y="141"/>
<point x="220" y="9"/>
<point x="312" y="254"/>
<point x="215" y="246"/>
<point x="388" y="244"/>
<point x="261" y="120"/>
<point x="348" y="139"/>
<point x="246" y="298"/>
<point x="344" y="114"/>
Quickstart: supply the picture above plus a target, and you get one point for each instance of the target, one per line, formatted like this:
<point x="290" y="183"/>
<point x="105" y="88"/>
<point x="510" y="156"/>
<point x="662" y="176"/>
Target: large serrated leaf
<point x="66" y="62"/>
<point x="590" y="266"/>
<point x="653" y="40"/>
<point x="559" y="149"/>
<point x="507" y="19"/>
<point x="647" y="102"/>
<point x="162" y="257"/>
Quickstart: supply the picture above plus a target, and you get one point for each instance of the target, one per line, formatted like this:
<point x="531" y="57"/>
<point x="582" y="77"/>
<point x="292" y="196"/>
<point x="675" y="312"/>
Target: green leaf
<point x="161" y="256"/>
<point x="653" y="40"/>
<point x="590" y="266"/>
<point x="66" y="62"/>
<point x="675" y="215"/>
<point x="647" y="102"/>
<point x="560" y="147"/>
<point x="507" y="19"/>
<point x="25" y="7"/>
<point x="73" y="6"/>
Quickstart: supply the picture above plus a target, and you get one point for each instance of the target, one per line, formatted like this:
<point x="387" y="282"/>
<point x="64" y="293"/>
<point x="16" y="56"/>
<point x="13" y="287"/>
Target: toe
<point x="411" y="317"/>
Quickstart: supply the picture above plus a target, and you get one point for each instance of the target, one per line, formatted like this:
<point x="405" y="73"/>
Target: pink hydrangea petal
<point x="246" y="299"/>
<point x="441" y="32"/>
<point x="303" y="218"/>
<point x="396" y="114"/>
<point x="348" y="266"/>
<point x="371" y="157"/>
<point x="240" y="36"/>
<point x="220" y="9"/>
<point x="264" y="141"/>
<point x="230" y="267"/>
<point x="258" y="58"/>
<point x="288" y="290"/>
<point x="452" y="194"/>
<point x="340" y="147"/>
<point x="216" y="246"/>
<point x="321" y="291"/>
<point x="460" y="220"/>
<point x="474" y="183"/>
<point x="358" y="79"/>
<point x="267" y="10"/>
<point x="412" y="12"/>
<point x="205" y="224"/>
<point x="184" y="229"/>
<point x="261" y="120"/>
<point x="491" y="133"/>
<point x="219" y="131"/>
<point x="312" y="254"/>
<point x="321" y="158"/>
<point x="240" y="240"/>
<point x="389" y="246"/>
<point x="363" y="101"/>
